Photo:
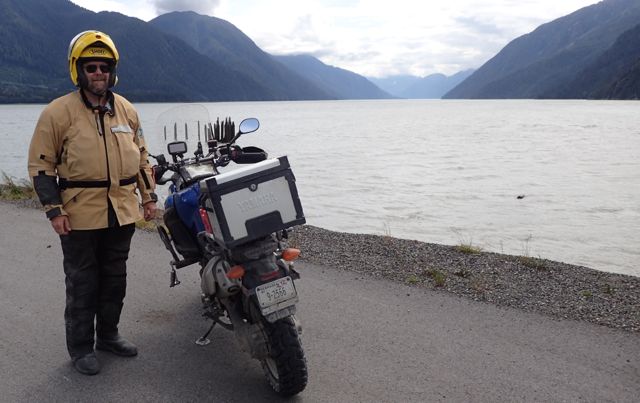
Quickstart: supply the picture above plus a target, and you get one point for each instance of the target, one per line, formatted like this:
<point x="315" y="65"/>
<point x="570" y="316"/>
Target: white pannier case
<point x="253" y="201"/>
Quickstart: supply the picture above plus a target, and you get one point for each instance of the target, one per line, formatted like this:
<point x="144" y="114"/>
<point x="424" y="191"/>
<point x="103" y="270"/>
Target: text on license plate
<point x="275" y="292"/>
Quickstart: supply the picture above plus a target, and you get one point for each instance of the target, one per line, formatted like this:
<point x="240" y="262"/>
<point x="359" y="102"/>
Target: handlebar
<point x="219" y="158"/>
<point x="250" y="158"/>
<point x="248" y="155"/>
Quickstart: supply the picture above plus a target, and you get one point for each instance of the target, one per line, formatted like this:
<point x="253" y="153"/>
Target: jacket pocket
<point x="129" y="154"/>
<point x="70" y="196"/>
<point x="83" y="157"/>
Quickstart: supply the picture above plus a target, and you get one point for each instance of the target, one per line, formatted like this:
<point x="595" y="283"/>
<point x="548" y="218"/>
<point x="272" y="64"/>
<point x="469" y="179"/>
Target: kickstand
<point x="203" y="341"/>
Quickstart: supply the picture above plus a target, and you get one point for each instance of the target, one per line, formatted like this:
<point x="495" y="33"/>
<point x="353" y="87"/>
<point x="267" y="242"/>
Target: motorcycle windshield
<point x="204" y="137"/>
<point x="187" y="122"/>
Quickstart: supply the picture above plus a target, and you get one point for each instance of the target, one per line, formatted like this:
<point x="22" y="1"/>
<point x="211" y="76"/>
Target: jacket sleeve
<point x="44" y="152"/>
<point x="145" y="180"/>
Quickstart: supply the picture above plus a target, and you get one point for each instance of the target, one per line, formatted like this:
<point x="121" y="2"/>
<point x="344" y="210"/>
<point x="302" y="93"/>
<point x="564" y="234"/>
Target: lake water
<point x="444" y="171"/>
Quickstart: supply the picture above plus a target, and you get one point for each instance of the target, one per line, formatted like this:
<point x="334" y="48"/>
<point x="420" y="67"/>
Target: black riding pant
<point x="96" y="281"/>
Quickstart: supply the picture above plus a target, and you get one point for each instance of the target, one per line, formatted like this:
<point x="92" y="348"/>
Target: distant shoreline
<point x="553" y="288"/>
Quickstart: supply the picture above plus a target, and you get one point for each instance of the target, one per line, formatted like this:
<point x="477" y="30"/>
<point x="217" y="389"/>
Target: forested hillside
<point x="223" y="42"/>
<point x="176" y="57"/>
<point x="614" y="75"/>
<point x="153" y="66"/>
<point x="563" y="57"/>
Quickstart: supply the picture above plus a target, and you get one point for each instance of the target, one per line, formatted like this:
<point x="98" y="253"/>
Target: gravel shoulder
<point x="531" y="284"/>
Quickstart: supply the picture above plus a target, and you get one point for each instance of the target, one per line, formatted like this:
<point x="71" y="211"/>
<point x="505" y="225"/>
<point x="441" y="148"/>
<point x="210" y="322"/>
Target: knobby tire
<point x="286" y="367"/>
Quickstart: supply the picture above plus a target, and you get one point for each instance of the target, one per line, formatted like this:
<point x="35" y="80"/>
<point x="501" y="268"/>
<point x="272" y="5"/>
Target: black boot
<point x="118" y="346"/>
<point x="87" y="364"/>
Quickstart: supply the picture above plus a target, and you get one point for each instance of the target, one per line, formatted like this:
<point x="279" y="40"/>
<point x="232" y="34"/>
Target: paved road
<point x="366" y="340"/>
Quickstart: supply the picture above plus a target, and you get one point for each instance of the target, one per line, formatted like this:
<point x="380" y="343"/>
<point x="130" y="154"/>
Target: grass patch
<point x="468" y="248"/>
<point x="12" y="190"/>
<point x="587" y="294"/>
<point x="146" y="225"/>
<point x="533" y="263"/>
<point x="438" y="277"/>
<point x="607" y="289"/>
<point x="413" y="279"/>
<point x="387" y="238"/>
<point x="465" y="244"/>
<point x="529" y="261"/>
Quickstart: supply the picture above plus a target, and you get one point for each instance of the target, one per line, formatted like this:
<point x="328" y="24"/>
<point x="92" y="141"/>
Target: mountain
<point x="153" y="66"/>
<point x="433" y="86"/>
<point x="223" y="42"/>
<point x="342" y="84"/>
<point x="395" y="85"/>
<point x="177" y="57"/>
<point x="541" y="63"/>
<point x="627" y="86"/>
<point x="614" y="75"/>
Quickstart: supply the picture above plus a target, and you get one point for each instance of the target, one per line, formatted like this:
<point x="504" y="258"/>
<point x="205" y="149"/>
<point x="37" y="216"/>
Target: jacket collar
<point x="109" y="107"/>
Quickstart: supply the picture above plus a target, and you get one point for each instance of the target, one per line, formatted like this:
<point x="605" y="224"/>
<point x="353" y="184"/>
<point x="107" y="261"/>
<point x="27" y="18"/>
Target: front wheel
<point x="286" y="366"/>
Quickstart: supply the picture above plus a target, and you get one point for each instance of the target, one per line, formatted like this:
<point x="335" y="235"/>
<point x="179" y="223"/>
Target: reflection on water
<point x="445" y="171"/>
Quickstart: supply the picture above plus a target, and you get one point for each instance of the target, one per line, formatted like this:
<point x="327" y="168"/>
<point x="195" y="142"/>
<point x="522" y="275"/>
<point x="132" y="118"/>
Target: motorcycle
<point x="234" y="225"/>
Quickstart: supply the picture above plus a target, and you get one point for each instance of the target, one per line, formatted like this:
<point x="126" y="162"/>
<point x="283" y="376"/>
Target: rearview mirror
<point x="177" y="148"/>
<point x="248" y="125"/>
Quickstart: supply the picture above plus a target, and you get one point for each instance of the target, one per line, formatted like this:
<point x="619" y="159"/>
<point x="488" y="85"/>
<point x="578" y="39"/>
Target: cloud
<point x="206" y="7"/>
<point x="480" y="26"/>
<point x="372" y="37"/>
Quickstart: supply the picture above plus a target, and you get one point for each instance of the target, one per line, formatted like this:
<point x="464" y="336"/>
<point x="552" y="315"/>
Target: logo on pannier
<point x="257" y="202"/>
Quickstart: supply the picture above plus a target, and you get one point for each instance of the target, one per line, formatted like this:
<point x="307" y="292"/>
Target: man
<point x="86" y="159"/>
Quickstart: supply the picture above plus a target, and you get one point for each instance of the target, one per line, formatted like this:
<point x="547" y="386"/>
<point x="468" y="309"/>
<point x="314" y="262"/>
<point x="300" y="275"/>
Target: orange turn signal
<point x="236" y="272"/>
<point x="290" y="254"/>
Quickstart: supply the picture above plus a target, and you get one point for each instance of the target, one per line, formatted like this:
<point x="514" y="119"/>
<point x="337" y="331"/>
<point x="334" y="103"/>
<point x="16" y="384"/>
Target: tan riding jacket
<point x="93" y="163"/>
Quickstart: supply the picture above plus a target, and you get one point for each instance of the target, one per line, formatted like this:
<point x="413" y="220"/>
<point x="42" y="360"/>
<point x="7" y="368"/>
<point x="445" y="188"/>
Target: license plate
<point x="276" y="295"/>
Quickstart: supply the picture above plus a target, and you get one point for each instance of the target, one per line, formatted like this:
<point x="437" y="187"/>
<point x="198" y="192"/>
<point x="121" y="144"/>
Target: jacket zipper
<point x="101" y="131"/>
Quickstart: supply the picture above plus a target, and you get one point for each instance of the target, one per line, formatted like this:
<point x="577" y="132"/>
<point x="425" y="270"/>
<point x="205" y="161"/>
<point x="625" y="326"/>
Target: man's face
<point x="97" y="76"/>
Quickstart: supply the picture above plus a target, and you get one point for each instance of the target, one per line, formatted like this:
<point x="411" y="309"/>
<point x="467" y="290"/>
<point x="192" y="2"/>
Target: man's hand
<point x="61" y="224"/>
<point x="149" y="210"/>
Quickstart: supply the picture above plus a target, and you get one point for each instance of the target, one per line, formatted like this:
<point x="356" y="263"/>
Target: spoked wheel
<point x="286" y="366"/>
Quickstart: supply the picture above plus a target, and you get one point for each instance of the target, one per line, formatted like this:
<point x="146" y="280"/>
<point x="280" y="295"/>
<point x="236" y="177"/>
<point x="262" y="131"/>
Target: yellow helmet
<point x="91" y="45"/>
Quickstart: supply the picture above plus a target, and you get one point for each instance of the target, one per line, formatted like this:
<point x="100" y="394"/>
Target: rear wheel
<point x="286" y="366"/>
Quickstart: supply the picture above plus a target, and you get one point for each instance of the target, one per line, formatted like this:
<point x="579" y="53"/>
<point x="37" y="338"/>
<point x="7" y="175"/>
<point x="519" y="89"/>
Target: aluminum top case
<point x="253" y="201"/>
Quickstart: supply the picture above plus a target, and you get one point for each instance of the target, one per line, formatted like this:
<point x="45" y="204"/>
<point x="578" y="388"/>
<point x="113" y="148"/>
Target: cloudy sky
<point x="371" y="37"/>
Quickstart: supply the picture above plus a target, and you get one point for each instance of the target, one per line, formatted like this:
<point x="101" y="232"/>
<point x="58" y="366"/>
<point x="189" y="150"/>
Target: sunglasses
<point x="92" y="68"/>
